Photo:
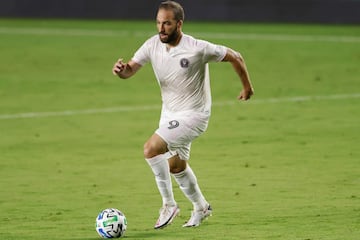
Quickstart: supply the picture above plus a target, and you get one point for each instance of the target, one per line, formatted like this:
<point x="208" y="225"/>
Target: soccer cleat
<point x="167" y="215"/>
<point x="198" y="216"/>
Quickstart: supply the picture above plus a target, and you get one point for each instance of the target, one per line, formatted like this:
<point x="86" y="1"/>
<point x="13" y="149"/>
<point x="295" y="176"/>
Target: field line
<point x="157" y="107"/>
<point x="212" y="35"/>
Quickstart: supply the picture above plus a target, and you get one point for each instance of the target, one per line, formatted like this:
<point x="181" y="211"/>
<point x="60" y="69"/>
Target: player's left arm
<point x="238" y="63"/>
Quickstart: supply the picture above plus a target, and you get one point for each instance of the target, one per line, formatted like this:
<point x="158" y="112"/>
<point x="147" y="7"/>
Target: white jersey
<point x="182" y="71"/>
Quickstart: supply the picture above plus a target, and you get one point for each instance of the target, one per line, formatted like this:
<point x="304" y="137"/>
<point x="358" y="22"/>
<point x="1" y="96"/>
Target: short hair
<point x="175" y="7"/>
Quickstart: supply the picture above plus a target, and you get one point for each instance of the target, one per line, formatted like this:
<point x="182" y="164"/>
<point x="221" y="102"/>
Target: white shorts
<point x="180" y="129"/>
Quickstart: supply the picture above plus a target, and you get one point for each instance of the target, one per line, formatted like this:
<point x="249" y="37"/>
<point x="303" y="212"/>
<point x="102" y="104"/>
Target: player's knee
<point x="177" y="169"/>
<point x="148" y="152"/>
<point x="177" y="165"/>
<point x="151" y="150"/>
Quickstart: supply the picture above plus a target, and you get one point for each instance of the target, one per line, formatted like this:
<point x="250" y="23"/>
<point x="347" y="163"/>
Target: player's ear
<point x="179" y="24"/>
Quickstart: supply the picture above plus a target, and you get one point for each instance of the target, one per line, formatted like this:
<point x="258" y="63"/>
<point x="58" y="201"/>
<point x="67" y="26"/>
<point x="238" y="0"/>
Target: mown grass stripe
<point x="213" y="35"/>
<point x="155" y="107"/>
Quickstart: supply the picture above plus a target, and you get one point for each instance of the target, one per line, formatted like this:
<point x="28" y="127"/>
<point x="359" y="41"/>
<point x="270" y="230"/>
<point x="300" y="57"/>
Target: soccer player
<point x="180" y="63"/>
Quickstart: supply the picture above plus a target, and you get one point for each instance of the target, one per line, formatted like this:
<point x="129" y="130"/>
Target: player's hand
<point x="245" y="94"/>
<point x="119" y="66"/>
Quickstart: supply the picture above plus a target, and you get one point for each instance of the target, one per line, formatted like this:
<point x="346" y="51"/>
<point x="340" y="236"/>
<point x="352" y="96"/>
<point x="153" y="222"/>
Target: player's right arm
<point x="125" y="70"/>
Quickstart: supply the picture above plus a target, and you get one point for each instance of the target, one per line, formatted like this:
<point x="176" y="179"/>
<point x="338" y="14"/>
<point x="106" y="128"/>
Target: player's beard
<point x="171" y="37"/>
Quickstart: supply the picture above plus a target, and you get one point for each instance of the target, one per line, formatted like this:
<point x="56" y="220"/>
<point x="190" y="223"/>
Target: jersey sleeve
<point x="213" y="52"/>
<point x="142" y="55"/>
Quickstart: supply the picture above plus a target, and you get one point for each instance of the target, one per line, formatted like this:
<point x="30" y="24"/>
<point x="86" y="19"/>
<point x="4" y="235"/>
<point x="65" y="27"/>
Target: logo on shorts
<point x="184" y="63"/>
<point x="173" y="124"/>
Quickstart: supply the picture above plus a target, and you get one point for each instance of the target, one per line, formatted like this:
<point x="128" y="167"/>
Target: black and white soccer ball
<point x="111" y="223"/>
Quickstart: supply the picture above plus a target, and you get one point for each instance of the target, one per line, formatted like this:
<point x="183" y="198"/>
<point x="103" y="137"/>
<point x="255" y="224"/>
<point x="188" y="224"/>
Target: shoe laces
<point x="165" y="210"/>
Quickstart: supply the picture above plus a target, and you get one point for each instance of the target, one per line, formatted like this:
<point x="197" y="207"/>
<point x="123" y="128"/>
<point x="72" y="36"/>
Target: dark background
<point x="292" y="11"/>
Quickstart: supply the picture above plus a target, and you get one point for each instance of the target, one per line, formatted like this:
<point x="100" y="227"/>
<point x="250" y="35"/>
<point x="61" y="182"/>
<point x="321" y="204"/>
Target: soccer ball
<point x="111" y="223"/>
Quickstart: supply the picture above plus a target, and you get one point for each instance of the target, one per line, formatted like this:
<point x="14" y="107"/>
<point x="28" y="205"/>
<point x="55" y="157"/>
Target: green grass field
<point x="283" y="166"/>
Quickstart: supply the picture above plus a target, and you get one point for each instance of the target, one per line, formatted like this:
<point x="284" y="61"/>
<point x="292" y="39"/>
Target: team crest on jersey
<point x="173" y="124"/>
<point x="184" y="63"/>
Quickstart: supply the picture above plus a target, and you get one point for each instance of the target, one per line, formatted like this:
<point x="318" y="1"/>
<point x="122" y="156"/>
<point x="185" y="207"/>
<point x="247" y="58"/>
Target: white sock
<point x="160" y="167"/>
<point x="188" y="184"/>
